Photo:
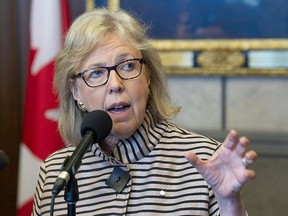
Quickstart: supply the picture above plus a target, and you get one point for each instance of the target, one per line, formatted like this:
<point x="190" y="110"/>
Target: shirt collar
<point x="139" y="145"/>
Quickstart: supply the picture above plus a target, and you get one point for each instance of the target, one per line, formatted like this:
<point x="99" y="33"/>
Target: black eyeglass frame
<point x="109" y="69"/>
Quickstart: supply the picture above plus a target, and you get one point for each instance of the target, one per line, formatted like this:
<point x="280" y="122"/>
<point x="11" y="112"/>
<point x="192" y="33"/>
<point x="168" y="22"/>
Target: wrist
<point x="231" y="206"/>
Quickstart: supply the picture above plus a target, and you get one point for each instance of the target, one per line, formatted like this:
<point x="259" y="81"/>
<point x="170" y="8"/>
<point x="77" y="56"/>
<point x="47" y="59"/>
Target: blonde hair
<point x="86" y="33"/>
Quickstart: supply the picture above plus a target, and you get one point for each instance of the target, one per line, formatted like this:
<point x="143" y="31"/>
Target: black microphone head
<point x="3" y="160"/>
<point x="99" y="122"/>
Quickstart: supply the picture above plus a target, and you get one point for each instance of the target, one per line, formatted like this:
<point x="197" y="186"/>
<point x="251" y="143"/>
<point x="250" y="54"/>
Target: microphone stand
<point x="71" y="194"/>
<point x="71" y="164"/>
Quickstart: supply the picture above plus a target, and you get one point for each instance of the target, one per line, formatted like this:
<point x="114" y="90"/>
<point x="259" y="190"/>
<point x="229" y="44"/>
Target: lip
<point x="118" y="107"/>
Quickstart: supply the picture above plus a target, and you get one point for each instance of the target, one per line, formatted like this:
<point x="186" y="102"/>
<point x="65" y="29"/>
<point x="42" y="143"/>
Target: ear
<point x="74" y="90"/>
<point x="148" y="80"/>
<point x="148" y="75"/>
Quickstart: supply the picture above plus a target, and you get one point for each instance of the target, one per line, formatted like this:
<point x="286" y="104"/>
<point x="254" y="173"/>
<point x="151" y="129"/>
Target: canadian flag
<point x="48" y="22"/>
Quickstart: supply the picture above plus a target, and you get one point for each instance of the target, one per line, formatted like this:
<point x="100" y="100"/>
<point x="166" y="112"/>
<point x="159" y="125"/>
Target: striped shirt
<point x="162" y="181"/>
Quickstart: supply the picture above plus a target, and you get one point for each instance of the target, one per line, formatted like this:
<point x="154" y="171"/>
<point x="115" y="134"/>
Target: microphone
<point x="95" y="127"/>
<point x="4" y="160"/>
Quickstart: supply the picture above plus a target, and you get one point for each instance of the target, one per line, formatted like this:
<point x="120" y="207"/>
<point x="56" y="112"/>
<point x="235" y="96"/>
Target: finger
<point x="196" y="162"/>
<point x="242" y="146"/>
<point x="193" y="159"/>
<point x="250" y="174"/>
<point x="231" y="139"/>
<point x="250" y="157"/>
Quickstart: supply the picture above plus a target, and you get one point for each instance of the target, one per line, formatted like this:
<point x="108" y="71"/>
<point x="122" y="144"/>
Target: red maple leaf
<point x="39" y="133"/>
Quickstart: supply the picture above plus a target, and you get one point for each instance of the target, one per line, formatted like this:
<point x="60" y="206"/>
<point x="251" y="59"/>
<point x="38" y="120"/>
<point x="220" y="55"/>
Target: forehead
<point x="111" y="51"/>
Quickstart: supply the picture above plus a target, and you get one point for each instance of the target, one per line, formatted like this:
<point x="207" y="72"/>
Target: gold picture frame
<point x="222" y="46"/>
<point x="219" y="57"/>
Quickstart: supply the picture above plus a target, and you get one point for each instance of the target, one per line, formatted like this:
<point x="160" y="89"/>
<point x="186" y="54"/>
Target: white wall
<point x="253" y="104"/>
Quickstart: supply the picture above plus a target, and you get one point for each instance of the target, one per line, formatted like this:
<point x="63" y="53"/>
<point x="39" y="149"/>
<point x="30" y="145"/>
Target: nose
<point x="115" y="83"/>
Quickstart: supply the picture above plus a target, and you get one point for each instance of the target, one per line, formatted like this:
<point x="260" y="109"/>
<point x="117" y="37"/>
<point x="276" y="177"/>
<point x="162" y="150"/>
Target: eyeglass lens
<point x="128" y="69"/>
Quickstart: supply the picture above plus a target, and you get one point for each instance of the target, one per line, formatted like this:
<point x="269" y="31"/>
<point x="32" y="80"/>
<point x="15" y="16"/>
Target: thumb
<point x="197" y="162"/>
<point x="194" y="159"/>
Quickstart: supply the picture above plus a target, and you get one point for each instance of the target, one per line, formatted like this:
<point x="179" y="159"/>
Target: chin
<point x="122" y="133"/>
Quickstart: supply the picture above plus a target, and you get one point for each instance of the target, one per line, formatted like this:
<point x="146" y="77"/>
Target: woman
<point x="107" y="64"/>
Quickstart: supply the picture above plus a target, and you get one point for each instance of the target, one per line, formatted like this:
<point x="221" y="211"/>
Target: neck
<point x="109" y="144"/>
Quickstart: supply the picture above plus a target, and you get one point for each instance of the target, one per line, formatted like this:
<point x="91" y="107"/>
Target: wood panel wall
<point x="14" y="48"/>
<point x="9" y="105"/>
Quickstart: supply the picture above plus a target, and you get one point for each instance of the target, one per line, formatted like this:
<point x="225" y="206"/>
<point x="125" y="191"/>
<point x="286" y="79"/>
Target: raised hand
<point x="226" y="172"/>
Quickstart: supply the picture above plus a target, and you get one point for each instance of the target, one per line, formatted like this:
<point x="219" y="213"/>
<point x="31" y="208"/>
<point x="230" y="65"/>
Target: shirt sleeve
<point x="39" y="191"/>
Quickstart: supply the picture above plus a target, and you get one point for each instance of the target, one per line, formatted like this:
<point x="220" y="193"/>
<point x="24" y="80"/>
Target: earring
<point x="149" y="93"/>
<point x="81" y="106"/>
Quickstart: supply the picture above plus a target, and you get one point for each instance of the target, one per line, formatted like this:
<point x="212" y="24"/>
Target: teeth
<point x="118" y="107"/>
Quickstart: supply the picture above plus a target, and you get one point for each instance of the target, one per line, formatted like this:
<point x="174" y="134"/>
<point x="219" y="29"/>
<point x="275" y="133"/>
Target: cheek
<point x="93" y="100"/>
<point x="140" y="93"/>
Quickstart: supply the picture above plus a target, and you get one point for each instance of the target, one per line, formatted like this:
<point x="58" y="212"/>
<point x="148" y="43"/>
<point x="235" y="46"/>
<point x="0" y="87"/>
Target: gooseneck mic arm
<point x="74" y="162"/>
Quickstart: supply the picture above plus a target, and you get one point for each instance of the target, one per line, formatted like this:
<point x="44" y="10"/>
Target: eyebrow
<point x="118" y="59"/>
<point x="124" y="57"/>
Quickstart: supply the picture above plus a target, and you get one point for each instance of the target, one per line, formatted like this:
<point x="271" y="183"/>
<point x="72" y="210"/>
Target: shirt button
<point x="162" y="193"/>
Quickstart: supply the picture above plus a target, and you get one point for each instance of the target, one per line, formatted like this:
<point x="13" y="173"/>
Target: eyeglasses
<point x="98" y="76"/>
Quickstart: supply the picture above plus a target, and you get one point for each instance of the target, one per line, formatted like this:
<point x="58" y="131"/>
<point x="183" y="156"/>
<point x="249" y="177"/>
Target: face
<point x="124" y="100"/>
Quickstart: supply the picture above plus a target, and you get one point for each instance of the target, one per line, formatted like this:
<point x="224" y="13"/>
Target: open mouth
<point x="120" y="108"/>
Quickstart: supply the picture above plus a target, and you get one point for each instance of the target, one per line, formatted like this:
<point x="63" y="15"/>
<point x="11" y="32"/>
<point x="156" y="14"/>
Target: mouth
<point x="118" y="108"/>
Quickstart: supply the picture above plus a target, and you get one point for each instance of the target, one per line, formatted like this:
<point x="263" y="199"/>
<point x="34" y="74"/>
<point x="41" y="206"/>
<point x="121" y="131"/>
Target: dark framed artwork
<point x="214" y="37"/>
